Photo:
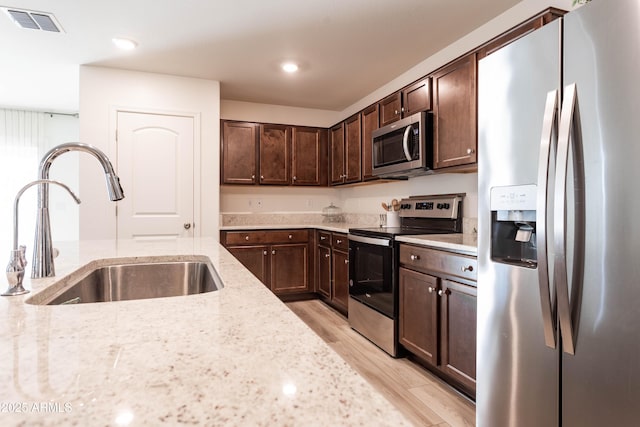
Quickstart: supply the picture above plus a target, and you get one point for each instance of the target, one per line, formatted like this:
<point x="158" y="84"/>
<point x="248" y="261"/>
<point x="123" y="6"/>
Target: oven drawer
<point x="433" y="260"/>
<point x="235" y="238"/>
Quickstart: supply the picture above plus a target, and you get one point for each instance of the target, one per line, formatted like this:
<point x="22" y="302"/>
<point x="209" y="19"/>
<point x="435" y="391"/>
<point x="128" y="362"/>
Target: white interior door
<point x="155" y="166"/>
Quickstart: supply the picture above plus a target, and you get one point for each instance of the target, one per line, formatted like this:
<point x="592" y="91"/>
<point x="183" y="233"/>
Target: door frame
<point x="197" y="150"/>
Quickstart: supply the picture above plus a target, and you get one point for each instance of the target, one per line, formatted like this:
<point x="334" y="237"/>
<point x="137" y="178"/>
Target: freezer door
<point x="517" y="373"/>
<point x="601" y="382"/>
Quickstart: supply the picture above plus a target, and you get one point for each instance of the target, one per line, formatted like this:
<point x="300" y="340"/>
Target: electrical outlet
<point x="259" y="204"/>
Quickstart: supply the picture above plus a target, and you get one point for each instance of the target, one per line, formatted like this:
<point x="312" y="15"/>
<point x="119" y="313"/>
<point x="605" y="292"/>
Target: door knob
<point x="187" y="225"/>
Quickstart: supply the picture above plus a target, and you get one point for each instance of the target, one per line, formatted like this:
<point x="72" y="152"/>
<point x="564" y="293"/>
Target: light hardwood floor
<point x="423" y="398"/>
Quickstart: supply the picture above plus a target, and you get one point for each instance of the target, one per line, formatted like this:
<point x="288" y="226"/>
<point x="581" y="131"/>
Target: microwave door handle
<point x="405" y="143"/>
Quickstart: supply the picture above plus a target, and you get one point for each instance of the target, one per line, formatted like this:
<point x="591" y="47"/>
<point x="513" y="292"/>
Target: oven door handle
<point x="370" y="240"/>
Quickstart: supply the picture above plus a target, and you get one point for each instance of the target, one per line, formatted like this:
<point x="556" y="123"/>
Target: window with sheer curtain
<point x="24" y="138"/>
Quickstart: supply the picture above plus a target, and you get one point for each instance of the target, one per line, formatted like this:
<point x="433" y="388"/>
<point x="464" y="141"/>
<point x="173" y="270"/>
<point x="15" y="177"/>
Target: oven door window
<point x="390" y="149"/>
<point x="371" y="276"/>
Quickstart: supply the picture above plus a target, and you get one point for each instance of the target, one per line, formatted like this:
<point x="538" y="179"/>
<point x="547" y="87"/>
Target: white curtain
<point x="24" y="138"/>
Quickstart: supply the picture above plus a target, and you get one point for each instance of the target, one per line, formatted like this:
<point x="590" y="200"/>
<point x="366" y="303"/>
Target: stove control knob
<point x="446" y="205"/>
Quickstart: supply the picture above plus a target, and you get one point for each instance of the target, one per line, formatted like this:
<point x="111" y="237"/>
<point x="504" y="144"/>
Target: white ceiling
<point x="346" y="48"/>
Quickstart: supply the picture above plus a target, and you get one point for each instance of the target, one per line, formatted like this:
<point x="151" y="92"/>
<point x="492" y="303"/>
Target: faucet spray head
<point x="113" y="187"/>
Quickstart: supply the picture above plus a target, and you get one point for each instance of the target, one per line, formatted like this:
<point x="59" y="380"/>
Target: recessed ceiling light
<point x="124" y="44"/>
<point x="290" y="67"/>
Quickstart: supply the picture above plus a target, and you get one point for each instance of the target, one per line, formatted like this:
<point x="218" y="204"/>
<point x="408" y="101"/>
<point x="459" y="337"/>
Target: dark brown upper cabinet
<point x="353" y="148"/>
<point x="275" y="154"/>
<point x="416" y="97"/>
<point x="455" y="113"/>
<point x="390" y="109"/>
<point x="239" y="153"/>
<point x="309" y="163"/>
<point x="336" y="154"/>
<point x="369" y="117"/>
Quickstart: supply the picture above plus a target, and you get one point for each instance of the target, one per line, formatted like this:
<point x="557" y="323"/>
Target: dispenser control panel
<point x="514" y="198"/>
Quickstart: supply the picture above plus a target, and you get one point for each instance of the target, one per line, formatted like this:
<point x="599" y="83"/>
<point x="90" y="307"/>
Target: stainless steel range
<point x="373" y="264"/>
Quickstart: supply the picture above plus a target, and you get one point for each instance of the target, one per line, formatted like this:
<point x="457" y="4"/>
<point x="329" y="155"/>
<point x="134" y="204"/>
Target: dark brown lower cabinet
<point x="280" y="259"/>
<point x="324" y="271"/>
<point x="437" y="320"/>
<point x="289" y="268"/>
<point x="340" y="278"/>
<point x="255" y="259"/>
<point x="332" y="265"/>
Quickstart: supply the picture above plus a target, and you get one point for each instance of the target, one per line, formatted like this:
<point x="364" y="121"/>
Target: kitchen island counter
<point x="233" y="357"/>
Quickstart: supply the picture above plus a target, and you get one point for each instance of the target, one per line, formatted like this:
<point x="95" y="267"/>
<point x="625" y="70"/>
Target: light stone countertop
<point x="455" y="242"/>
<point x="461" y="243"/>
<point x="234" y="357"/>
<point x="337" y="227"/>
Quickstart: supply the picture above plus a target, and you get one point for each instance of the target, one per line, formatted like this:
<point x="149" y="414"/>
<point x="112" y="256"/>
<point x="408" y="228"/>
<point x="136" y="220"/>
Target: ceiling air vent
<point x="33" y="20"/>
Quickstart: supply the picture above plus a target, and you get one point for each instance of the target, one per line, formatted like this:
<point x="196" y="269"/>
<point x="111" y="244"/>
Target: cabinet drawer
<point x="265" y="237"/>
<point x="339" y="241"/>
<point x="324" y="238"/>
<point x="433" y="260"/>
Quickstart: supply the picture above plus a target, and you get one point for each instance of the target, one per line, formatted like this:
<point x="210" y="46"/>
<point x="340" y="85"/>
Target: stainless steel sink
<point x="136" y="280"/>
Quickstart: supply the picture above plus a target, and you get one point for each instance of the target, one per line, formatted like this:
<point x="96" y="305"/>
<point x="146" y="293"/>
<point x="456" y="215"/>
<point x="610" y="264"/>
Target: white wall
<point x="266" y="113"/>
<point x="102" y="92"/>
<point x="367" y="199"/>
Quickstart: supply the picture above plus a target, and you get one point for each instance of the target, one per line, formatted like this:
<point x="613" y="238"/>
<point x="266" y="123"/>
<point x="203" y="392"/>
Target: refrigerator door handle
<point x="568" y="307"/>
<point x="547" y="144"/>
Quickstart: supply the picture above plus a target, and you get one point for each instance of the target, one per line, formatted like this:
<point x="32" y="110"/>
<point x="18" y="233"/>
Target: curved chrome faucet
<point x="43" y="249"/>
<point x="18" y="260"/>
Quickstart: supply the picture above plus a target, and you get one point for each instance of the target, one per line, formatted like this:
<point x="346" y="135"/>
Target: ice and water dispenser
<point x="513" y="225"/>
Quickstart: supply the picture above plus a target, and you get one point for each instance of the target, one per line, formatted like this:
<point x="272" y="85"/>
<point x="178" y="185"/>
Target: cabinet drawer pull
<point x="467" y="268"/>
<point x="338" y="241"/>
<point x="414" y="257"/>
<point x="327" y="255"/>
<point x="246" y="238"/>
<point x="431" y="289"/>
<point x="346" y="261"/>
<point x="323" y="238"/>
<point x="290" y="236"/>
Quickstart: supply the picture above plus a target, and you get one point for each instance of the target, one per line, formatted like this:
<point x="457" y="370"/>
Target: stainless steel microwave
<point x="404" y="148"/>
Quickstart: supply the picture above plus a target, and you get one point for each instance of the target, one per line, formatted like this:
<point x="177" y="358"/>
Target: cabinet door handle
<point x="327" y="255"/>
<point x="414" y="257"/>
<point x="264" y="253"/>
<point x="338" y="241"/>
<point x="261" y="177"/>
<point x="440" y="292"/>
<point x="295" y="178"/>
<point x="246" y="238"/>
<point x="467" y="268"/>
<point x="253" y="177"/>
<point x="346" y="261"/>
<point x="273" y="252"/>
<point x="470" y="150"/>
<point x="431" y="289"/>
<point x="290" y="236"/>
<point x="323" y="238"/>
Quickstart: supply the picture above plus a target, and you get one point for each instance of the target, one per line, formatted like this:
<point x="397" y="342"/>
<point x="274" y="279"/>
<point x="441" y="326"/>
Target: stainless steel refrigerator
<point x="559" y="224"/>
